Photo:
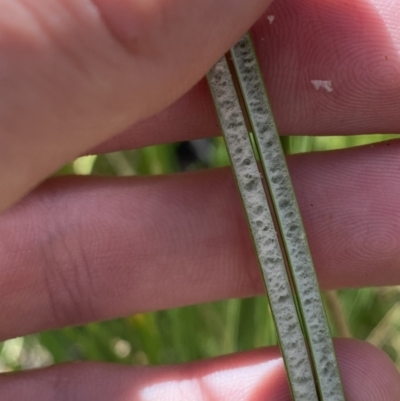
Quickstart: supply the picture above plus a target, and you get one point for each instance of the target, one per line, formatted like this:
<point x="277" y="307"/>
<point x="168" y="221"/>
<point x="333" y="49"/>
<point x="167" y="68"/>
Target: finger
<point x="355" y="45"/>
<point x="368" y="375"/>
<point x="80" y="250"/>
<point x="75" y="72"/>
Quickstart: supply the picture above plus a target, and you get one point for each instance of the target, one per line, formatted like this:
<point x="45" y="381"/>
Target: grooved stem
<point x="269" y="254"/>
<point x="290" y="222"/>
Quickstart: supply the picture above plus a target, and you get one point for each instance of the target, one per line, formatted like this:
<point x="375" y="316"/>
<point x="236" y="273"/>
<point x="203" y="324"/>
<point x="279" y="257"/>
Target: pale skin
<point x="75" y="73"/>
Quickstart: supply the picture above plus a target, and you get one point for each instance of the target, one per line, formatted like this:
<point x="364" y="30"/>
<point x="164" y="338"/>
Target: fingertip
<point x="367" y="373"/>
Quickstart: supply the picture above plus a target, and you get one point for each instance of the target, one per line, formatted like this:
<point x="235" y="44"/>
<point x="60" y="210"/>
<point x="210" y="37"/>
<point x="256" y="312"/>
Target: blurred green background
<point x="208" y="330"/>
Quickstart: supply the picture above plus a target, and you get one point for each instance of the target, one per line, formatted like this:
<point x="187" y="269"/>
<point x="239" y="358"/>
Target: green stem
<point x="289" y="218"/>
<point x="270" y="257"/>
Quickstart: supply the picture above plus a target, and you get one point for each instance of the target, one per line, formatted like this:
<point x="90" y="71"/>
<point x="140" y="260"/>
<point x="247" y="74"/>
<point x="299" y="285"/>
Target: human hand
<point x="78" y="249"/>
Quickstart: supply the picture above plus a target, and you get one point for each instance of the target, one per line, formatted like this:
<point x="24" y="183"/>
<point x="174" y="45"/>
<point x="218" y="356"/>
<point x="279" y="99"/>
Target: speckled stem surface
<point x="265" y="239"/>
<point x="290" y="222"/>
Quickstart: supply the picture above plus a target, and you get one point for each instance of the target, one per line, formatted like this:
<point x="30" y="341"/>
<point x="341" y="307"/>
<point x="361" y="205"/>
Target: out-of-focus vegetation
<point x="196" y="332"/>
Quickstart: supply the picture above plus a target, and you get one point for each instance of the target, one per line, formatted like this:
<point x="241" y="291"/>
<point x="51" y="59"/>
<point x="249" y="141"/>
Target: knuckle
<point x="68" y="281"/>
<point x="132" y="23"/>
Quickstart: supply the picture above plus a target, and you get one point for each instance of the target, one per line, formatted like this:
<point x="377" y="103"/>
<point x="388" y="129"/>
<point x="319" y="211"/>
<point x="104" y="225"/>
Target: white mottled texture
<point x="289" y="218"/>
<point x="271" y="18"/>
<point x="322" y="84"/>
<point x="266" y="242"/>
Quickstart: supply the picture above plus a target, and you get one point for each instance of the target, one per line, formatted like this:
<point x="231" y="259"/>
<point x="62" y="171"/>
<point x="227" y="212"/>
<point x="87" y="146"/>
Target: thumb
<point x="75" y="72"/>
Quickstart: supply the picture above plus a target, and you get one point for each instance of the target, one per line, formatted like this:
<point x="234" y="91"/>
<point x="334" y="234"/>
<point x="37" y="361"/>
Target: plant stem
<point x="269" y="254"/>
<point x="290" y="223"/>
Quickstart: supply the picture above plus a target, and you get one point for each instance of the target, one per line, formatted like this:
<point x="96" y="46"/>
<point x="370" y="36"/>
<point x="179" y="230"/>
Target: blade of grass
<point x="288" y="214"/>
<point x="255" y="327"/>
<point x="263" y="232"/>
<point x="232" y="326"/>
<point x="385" y="328"/>
<point x="338" y="319"/>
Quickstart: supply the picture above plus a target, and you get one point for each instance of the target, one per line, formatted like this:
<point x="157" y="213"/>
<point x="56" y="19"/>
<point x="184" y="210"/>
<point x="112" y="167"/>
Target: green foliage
<point x="208" y="330"/>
